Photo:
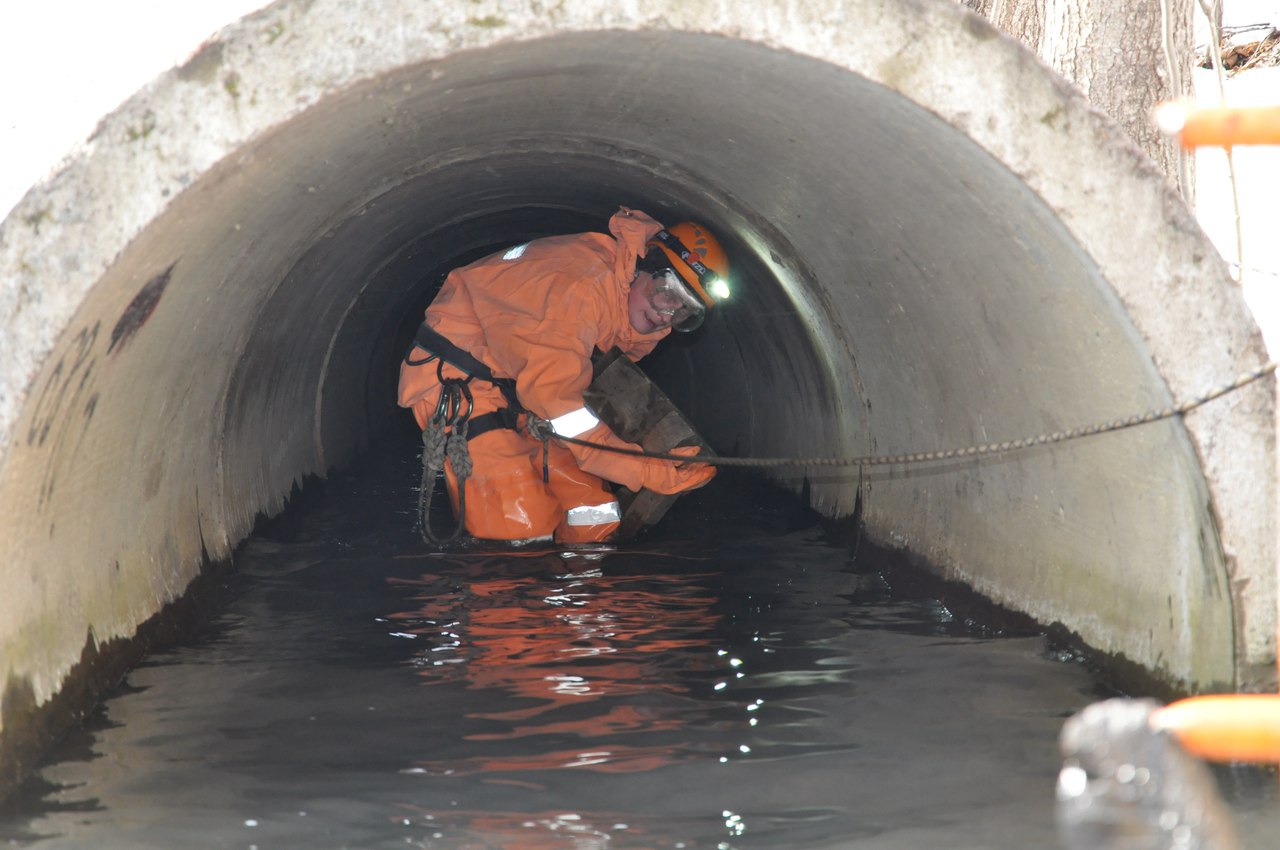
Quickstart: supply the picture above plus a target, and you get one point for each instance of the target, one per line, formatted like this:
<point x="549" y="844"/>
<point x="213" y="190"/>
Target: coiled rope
<point x="986" y="450"/>
<point x="445" y="438"/>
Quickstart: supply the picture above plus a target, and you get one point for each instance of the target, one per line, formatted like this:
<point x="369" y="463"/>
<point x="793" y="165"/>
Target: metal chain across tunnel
<point x="952" y="454"/>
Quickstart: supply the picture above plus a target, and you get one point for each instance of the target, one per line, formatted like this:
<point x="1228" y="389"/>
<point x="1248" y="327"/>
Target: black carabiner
<point x="441" y="415"/>
<point x="453" y="391"/>
<point x="462" y="416"/>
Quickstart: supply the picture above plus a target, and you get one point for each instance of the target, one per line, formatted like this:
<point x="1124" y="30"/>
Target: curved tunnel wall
<point x="938" y="244"/>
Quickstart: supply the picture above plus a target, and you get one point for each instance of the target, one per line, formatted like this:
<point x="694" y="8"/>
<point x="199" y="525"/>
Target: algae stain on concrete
<point x="203" y="67"/>
<point x="39" y="217"/>
<point x="143" y="129"/>
<point x="231" y="82"/>
<point x="1055" y="118"/>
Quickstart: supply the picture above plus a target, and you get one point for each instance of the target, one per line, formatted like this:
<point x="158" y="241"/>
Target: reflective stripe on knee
<point x="574" y="422"/>
<point x="593" y="514"/>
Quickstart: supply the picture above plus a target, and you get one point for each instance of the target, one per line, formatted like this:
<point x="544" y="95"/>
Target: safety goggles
<point x="670" y="296"/>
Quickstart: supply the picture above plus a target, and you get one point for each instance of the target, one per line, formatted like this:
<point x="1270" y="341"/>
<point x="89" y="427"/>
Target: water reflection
<point x="567" y="652"/>
<point x="532" y="831"/>
<point x="637" y="677"/>
<point x="561" y="830"/>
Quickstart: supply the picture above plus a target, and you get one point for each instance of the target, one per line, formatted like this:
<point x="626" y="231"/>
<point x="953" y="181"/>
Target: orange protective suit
<point x="535" y="313"/>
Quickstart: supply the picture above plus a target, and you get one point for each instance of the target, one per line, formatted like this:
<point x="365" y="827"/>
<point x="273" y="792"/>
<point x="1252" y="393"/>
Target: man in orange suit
<point x="514" y="333"/>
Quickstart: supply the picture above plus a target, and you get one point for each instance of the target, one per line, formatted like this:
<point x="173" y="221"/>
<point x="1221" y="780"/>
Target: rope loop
<point x="457" y="453"/>
<point x="539" y="429"/>
<point x="445" y="438"/>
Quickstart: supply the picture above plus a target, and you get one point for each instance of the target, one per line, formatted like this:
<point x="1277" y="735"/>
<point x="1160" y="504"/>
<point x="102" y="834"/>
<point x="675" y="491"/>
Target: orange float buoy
<point x="1220" y="126"/>
<point x="1225" y="727"/>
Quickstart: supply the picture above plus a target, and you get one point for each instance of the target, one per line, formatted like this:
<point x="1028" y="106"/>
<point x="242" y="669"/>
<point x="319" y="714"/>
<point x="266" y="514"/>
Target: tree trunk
<point x="1125" y="55"/>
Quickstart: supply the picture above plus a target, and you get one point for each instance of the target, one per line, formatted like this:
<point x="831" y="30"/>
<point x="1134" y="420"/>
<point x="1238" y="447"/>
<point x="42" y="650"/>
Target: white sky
<point x="1238" y="13"/>
<point x="1255" y="168"/>
<point x="64" y="64"/>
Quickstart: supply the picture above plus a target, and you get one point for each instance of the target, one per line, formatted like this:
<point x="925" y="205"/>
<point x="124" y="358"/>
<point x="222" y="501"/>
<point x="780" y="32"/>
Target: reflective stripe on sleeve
<point x="593" y="514"/>
<point x="574" y="422"/>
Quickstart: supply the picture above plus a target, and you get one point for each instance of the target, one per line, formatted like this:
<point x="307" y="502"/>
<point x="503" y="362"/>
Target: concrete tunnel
<point x="937" y="244"/>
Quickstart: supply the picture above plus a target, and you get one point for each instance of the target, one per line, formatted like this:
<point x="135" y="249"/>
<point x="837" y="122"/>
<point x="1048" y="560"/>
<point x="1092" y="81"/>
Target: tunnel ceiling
<point x="921" y="262"/>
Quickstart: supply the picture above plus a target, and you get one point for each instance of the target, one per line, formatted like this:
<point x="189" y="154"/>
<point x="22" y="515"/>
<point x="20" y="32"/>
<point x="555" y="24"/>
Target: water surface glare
<point x="732" y="681"/>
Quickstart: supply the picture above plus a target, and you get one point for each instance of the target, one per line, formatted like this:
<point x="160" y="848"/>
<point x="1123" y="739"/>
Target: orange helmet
<point x="697" y="257"/>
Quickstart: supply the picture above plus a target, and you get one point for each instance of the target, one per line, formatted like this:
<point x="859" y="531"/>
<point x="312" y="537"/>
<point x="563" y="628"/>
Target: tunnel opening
<point x="946" y="313"/>
<point x="913" y="274"/>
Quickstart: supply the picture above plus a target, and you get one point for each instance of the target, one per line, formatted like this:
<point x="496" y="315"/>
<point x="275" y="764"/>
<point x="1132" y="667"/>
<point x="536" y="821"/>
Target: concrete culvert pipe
<point x="938" y="244"/>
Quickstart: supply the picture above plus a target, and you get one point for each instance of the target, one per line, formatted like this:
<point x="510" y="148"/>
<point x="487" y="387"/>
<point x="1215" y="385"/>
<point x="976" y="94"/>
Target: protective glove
<point x="636" y="473"/>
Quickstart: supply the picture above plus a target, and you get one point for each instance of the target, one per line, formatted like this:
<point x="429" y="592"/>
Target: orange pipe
<point x="1227" y="727"/>
<point x="1221" y="126"/>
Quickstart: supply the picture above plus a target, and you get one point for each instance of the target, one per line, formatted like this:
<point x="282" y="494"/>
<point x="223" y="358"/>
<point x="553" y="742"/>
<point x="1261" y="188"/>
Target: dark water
<point x="732" y="681"/>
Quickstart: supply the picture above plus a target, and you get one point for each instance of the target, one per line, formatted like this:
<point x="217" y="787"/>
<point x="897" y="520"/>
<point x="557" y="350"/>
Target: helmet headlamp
<point x="703" y="280"/>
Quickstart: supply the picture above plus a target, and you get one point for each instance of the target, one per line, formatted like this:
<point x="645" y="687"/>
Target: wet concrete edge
<point x="1116" y="674"/>
<point x="28" y="731"/>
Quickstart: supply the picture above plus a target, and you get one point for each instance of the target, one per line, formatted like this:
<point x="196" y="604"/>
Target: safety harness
<point x="451" y="426"/>
<point x="440" y="346"/>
